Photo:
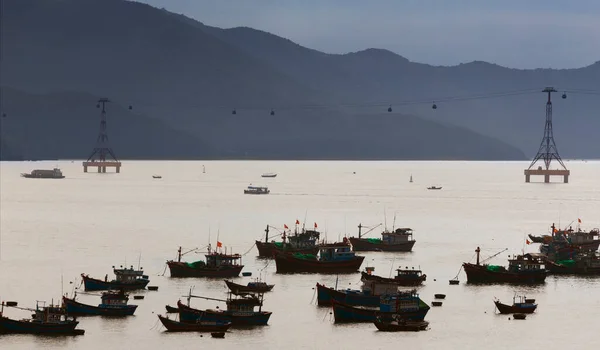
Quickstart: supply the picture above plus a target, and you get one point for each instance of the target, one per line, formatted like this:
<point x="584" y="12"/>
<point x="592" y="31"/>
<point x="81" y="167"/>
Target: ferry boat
<point x="113" y="303"/>
<point x="240" y="310"/>
<point x="400" y="240"/>
<point x="304" y="242"/>
<point x="44" y="174"/>
<point x="126" y="278"/>
<point x="217" y="265"/>
<point x="526" y="268"/>
<point x="257" y="190"/>
<point x="332" y="258"/>
<point x="46" y="320"/>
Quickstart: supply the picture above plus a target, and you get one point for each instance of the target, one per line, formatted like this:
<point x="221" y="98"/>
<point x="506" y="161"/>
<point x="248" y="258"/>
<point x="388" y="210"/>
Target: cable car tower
<point x="548" y="150"/>
<point x="98" y="158"/>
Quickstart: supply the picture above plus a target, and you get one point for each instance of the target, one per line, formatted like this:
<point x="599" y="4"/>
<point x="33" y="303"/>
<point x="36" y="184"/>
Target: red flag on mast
<point x="219" y="244"/>
<point x="297" y="222"/>
<point x="285" y="226"/>
<point x="315" y="225"/>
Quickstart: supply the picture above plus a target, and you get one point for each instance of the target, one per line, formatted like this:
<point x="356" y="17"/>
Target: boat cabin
<point x="115" y="298"/>
<point x="526" y="262"/>
<point x="48" y="314"/>
<point x="401" y="301"/>
<point x="405" y="274"/>
<point x="129" y="275"/>
<point x="400" y="235"/>
<point x="336" y="252"/>
<point x="219" y="259"/>
<point x="305" y="239"/>
<point x="244" y="303"/>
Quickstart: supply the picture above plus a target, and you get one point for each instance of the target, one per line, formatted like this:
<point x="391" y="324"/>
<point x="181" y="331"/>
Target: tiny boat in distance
<point x="44" y="174"/>
<point x="156" y="177"/>
<point x="434" y="188"/>
<point x="256" y="190"/>
<point x="269" y="175"/>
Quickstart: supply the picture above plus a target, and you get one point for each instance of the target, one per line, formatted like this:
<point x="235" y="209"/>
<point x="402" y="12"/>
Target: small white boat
<point x="256" y="190"/>
<point x="269" y="175"/>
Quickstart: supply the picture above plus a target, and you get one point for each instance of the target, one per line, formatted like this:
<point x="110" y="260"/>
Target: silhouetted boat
<point x="407" y="305"/>
<point x="171" y="309"/>
<point x="269" y="175"/>
<point x="520" y="305"/>
<point x="400" y="240"/>
<point x="217" y="265"/>
<point x="400" y="325"/>
<point x="126" y="278"/>
<point x="113" y="304"/>
<point x="583" y="240"/>
<point x="582" y="263"/>
<point x="332" y="258"/>
<point x="304" y="242"/>
<point x="44" y="174"/>
<point x="46" y="320"/>
<point x="257" y="190"/>
<point x="197" y="326"/>
<point x="404" y="277"/>
<point x="527" y="268"/>
<point x="240" y="311"/>
<point x="325" y="295"/>
<point x="251" y="287"/>
<point x="434" y="188"/>
<point x="156" y="177"/>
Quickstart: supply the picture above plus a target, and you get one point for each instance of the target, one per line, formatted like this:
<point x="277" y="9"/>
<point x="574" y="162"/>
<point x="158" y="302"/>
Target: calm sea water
<point x="87" y="223"/>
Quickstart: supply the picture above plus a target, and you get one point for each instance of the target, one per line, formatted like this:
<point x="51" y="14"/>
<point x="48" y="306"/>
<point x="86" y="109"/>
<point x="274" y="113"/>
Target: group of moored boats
<point x="385" y="302"/>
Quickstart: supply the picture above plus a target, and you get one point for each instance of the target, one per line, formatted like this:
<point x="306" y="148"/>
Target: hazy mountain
<point x="190" y="77"/>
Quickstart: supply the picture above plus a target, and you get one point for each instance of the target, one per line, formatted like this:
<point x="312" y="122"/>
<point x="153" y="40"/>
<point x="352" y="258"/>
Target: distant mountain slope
<point x="66" y="125"/>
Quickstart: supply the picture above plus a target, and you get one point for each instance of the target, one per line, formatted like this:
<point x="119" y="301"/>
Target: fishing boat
<point x="325" y="296"/>
<point x="332" y="258"/>
<point x="251" y="287"/>
<point x="269" y="175"/>
<point x="125" y="278"/>
<point x="404" y="277"/>
<point x="197" y="326"/>
<point x="399" y="324"/>
<point x="581" y="263"/>
<point x="46" y="320"/>
<point x="434" y="188"/>
<point x="114" y="303"/>
<point x="240" y="310"/>
<point x="526" y="268"/>
<point x="399" y="240"/>
<point x="520" y="305"/>
<point x="406" y="304"/>
<point x="44" y="174"/>
<point x="217" y="265"/>
<point x="567" y="238"/>
<point x="303" y="241"/>
<point x="257" y="190"/>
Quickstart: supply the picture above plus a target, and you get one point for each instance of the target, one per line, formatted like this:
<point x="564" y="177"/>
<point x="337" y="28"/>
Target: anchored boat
<point x="197" y="326"/>
<point x="217" y="265"/>
<point x="114" y="303"/>
<point x="44" y="174"/>
<point x="251" y="287"/>
<point x="332" y="258"/>
<point x="257" y="190"/>
<point x="520" y="305"/>
<point x="126" y="278"/>
<point x="406" y="304"/>
<point x="400" y="240"/>
<point x="526" y="268"/>
<point x="304" y="242"/>
<point x="404" y="277"/>
<point x="46" y="320"/>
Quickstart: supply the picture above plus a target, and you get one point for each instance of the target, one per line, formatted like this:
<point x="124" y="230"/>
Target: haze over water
<point x="87" y="223"/>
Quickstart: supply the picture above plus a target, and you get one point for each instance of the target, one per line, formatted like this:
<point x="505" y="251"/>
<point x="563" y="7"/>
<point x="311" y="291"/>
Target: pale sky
<point x="512" y="33"/>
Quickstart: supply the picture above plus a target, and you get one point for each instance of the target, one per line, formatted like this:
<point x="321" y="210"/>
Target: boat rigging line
<point x="493" y="256"/>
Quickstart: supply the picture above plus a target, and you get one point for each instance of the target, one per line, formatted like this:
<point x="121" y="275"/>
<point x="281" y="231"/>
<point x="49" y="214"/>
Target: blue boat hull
<point x="8" y="325"/>
<point x="75" y="308"/>
<point x="93" y="284"/>
<point x="344" y="313"/>
<point x="325" y="295"/>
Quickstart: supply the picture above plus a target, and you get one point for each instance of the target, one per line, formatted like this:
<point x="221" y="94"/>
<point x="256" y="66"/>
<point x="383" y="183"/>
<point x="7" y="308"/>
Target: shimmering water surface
<point x="87" y="223"/>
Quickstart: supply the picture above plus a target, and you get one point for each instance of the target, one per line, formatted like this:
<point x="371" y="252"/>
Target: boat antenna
<point x="336" y="281"/>
<point x="384" y="219"/>
<point x="394" y="222"/>
<point x="139" y="261"/>
<point x="305" y="215"/>
<point x="62" y="287"/>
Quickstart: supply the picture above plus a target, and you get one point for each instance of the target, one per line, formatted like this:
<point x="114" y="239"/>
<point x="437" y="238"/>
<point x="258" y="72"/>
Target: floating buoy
<point x="246" y="274"/>
<point x="11" y="303"/>
<point x="152" y="287"/>
<point x="436" y="303"/>
<point x="454" y="282"/>
<point x="440" y="296"/>
<point x="138" y="297"/>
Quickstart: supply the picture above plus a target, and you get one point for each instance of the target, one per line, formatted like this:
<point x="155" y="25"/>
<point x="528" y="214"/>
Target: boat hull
<point x="559" y="269"/>
<point x="363" y="245"/>
<point x="239" y="288"/>
<point x="408" y="326"/>
<point x="170" y="309"/>
<point x="93" y="284"/>
<point x="269" y="249"/>
<point x="8" y="325"/>
<point x="480" y="274"/>
<point x="76" y="308"/>
<point x="188" y="314"/>
<point x="287" y="263"/>
<point x="199" y="326"/>
<point x="326" y="295"/>
<point x="406" y="282"/>
<point x="515" y="309"/>
<point x="344" y="313"/>
<point x="180" y="269"/>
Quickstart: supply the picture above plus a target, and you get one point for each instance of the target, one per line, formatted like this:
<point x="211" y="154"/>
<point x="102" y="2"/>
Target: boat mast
<point x="267" y="234"/>
<point x="179" y="254"/>
<point x="477" y="251"/>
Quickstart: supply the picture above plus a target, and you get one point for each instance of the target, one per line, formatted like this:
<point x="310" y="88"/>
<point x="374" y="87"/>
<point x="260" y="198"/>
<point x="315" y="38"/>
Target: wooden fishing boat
<point x="113" y="304"/>
<point x="333" y="258"/>
<point x="240" y="311"/>
<point x="217" y="265"/>
<point x="404" y="277"/>
<point x="251" y="287"/>
<point x="126" y="278"/>
<point x="325" y="296"/>
<point x="344" y="313"/>
<point x="584" y="240"/>
<point x="520" y="305"/>
<point x="197" y="326"/>
<point x="400" y="325"/>
<point x="46" y="320"/>
<point x="400" y="240"/>
<point x="303" y="241"/>
<point x="582" y="263"/>
<point x="526" y="268"/>
<point x="171" y="309"/>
